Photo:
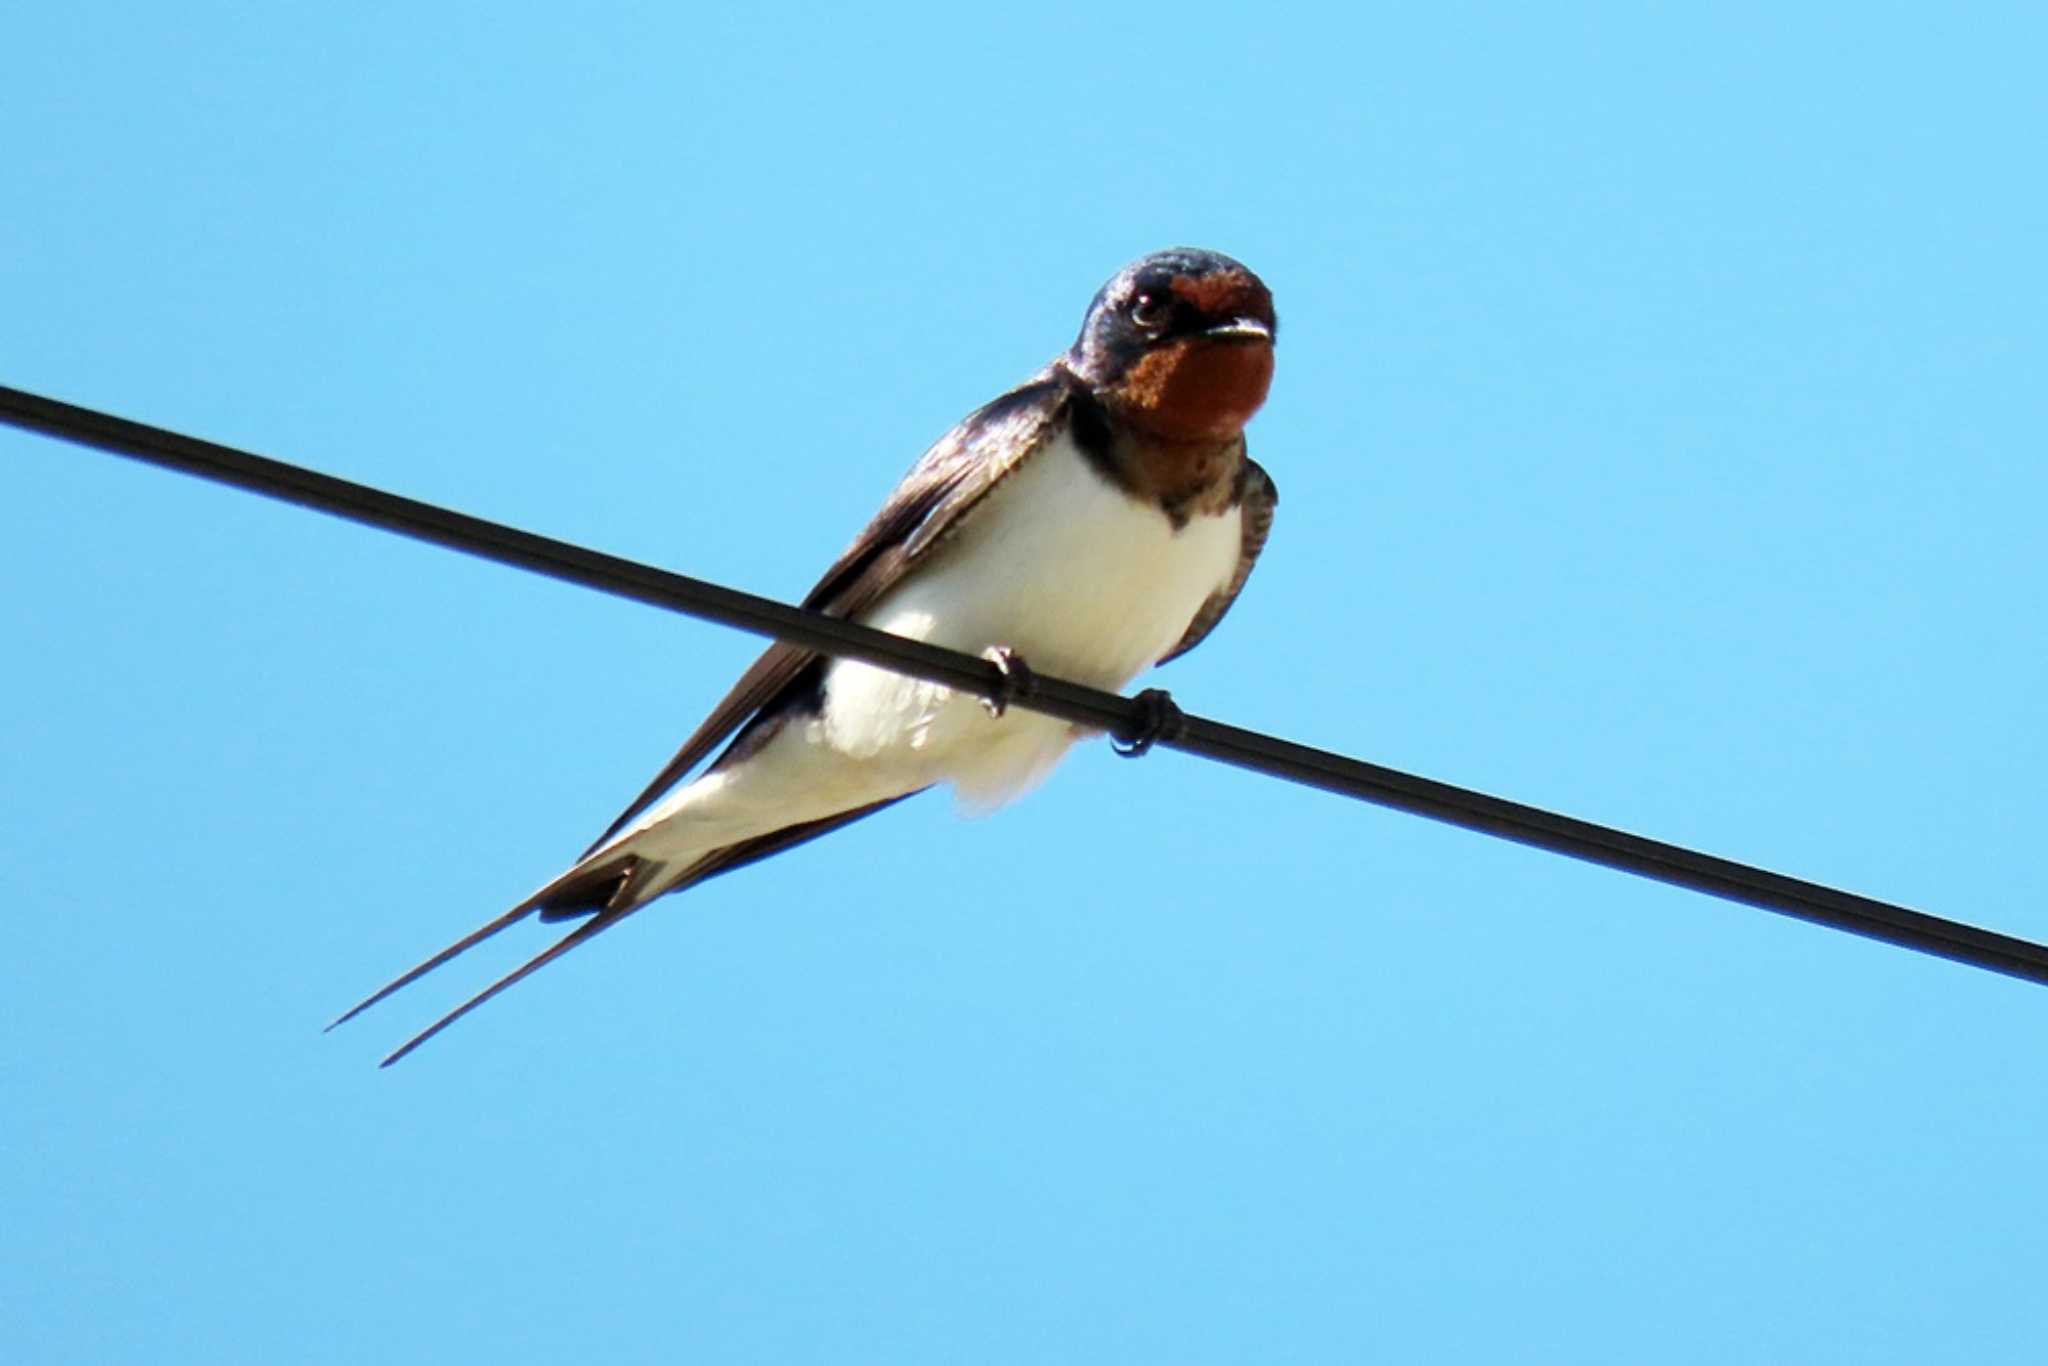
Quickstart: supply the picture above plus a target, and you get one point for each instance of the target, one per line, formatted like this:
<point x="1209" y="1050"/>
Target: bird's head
<point x="1180" y="344"/>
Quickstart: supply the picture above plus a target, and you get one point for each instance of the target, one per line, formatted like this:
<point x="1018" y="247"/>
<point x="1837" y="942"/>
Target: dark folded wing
<point x="1257" y="497"/>
<point x="947" y="480"/>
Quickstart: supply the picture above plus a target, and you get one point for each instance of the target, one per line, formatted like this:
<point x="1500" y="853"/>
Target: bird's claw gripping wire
<point x="1018" y="682"/>
<point x="1159" y="718"/>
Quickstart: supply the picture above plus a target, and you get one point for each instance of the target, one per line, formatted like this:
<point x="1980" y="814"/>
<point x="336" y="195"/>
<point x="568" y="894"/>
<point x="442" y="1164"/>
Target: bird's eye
<point x="1149" y="311"/>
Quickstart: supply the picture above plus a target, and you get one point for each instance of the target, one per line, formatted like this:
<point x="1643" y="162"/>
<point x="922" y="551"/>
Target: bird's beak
<point x="1245" y="329"/>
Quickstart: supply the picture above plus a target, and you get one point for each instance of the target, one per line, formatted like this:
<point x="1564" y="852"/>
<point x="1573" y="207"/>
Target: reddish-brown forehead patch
<point x="1224" y="291"/>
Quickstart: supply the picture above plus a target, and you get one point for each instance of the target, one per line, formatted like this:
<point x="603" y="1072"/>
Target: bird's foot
<point x="1018" y="681"/>
<point x="1160" y="718"/>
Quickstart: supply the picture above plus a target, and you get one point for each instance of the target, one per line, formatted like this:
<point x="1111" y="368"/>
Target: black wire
<point x="1070" y="701"/>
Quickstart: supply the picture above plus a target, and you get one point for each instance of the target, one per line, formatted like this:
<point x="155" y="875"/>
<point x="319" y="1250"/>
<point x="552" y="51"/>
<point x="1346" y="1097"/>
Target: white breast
<point x="1066" y="570"/>
<point x="1058" y="565"/>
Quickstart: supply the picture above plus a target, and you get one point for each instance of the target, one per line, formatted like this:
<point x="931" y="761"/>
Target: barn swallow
<point x="1095" y="520"/>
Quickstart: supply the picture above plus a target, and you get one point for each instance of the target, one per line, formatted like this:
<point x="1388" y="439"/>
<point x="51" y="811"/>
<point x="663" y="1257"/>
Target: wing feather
<point x="946" y="481"/>
<point x="1257" y="497"/>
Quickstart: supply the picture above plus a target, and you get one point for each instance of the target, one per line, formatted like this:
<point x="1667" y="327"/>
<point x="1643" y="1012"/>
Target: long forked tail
<point x="589" y="929"/>
<point x="606" y="888"/>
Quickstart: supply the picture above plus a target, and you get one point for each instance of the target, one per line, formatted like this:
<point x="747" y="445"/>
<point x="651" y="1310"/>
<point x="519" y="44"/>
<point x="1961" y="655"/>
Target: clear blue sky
<point x="1660" y="429"/>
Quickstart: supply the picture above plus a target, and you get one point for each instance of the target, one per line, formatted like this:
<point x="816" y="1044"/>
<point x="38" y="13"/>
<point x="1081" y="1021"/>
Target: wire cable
<point x="1147" y="719"/>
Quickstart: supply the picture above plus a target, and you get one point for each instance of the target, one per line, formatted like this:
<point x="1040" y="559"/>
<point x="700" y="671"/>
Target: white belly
<point x="1070" y="573"/>
<point x="1063" y="568"/>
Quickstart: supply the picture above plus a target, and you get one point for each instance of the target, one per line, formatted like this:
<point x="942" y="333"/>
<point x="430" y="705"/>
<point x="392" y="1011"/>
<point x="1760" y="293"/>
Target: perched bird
<point x="1097" y="519"/>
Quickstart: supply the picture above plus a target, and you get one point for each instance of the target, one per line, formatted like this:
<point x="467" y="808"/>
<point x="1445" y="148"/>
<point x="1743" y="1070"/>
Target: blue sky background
<point x="1659" y="424"/>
